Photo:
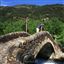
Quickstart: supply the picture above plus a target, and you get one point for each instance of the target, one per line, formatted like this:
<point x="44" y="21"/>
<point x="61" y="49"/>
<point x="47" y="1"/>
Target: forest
<point x="13" y="19"/>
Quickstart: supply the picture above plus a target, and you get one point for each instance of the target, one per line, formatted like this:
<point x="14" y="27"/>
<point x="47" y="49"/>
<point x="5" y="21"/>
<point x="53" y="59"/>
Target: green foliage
<point x="56" y="28"/>
<point x="11" y="26"/>
<point x="13" y="19"/>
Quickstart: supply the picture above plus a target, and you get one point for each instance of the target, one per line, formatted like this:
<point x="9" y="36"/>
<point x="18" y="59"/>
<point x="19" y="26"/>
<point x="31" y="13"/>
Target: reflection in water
<point x="42" y="61"/>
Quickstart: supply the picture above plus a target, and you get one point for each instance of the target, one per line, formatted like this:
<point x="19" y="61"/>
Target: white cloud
<point x="4" y="5"/>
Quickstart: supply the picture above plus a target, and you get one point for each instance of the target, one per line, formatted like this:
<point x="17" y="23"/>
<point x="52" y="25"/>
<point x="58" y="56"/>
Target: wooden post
<point x="26" y="24"/>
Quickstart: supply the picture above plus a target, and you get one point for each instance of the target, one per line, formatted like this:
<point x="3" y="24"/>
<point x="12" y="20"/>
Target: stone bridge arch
<point x="26" y="48"/>
<point x="45" y="52"/>
<point x="35" y="44"/>
<point x="45" y="42"/>
<point x="51" y="46"/>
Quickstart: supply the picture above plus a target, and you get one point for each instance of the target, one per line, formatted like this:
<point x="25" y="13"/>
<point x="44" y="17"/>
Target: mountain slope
<point x="35" y="12"/>
<point x="13" y="19"/>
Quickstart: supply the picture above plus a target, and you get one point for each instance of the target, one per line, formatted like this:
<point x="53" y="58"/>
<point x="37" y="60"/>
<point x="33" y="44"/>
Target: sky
<point x="30" y="2"/>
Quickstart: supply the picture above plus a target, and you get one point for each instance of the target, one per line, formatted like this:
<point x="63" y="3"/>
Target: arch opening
<point x="46" y="51"/>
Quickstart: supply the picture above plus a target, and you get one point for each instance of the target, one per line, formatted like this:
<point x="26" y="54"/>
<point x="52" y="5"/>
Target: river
<point x="42" y="61"/>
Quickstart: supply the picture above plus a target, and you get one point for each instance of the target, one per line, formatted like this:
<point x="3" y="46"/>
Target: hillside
<point x="13" y="19"/>
<point x="32" y="11"/>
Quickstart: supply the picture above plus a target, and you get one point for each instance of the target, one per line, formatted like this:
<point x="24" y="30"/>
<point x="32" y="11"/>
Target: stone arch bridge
<point x="22" y="48"/>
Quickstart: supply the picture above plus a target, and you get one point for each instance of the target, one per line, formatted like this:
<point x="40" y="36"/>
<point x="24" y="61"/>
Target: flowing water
<point x="42" y="61"/>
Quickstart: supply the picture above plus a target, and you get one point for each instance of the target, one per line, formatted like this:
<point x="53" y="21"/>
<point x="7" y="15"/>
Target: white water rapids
<point x="42" y="61"/>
